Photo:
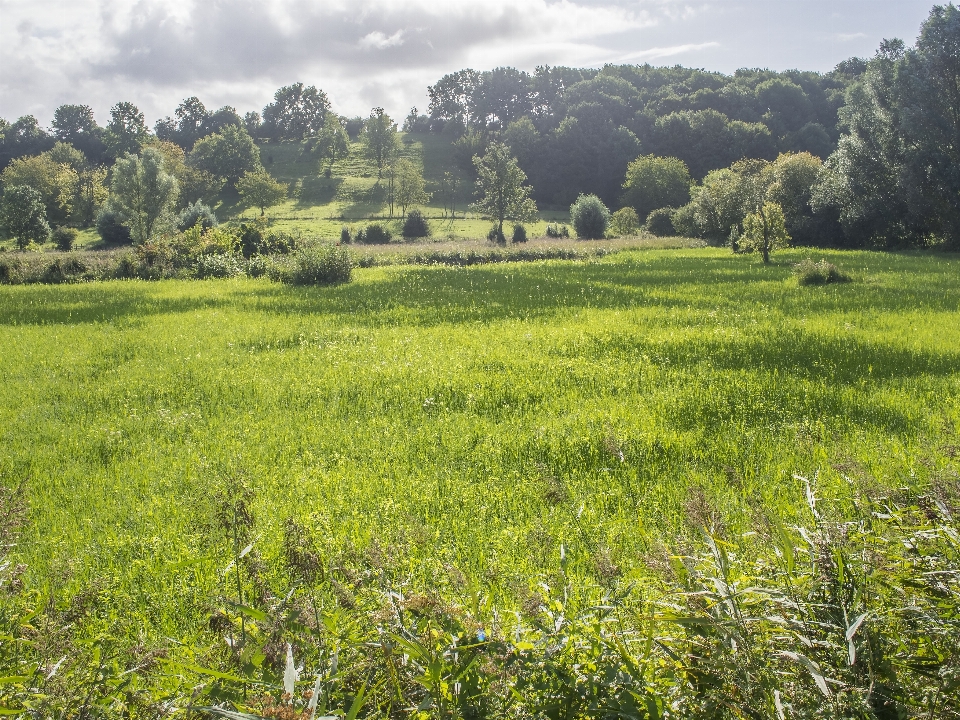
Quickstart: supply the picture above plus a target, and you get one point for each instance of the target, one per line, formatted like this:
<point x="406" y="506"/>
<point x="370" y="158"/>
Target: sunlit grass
<point x="472" y="418"/>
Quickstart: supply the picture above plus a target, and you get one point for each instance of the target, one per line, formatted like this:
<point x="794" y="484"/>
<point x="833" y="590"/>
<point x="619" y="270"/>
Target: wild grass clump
<point x="809" y="272"/>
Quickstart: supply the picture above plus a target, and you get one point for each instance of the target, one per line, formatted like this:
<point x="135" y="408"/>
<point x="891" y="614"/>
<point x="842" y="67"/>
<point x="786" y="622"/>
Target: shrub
<point x="519" y="234"/>
<point x="258" y="266"/>
<point x="64" y="238"/>
<point x="809" y="272"/>
<point x="197" y="213"/>
<point x="496" y="235"/>
<point x="625" y="222"/>
<point x="558" y="231"/>
<point x="685" y="221"/>
<point x="374" y="234"/>
<point x="345" y="235"/>
<point x="590" y="217"/>
<point x="321" y="264"/>
<point x="111" y="230"/>
<point x="660" y="222"/>
<point x="125" y="267"/>
<point x="221" y="265"/>
<point x="63" y="270"/>
<point x="416" y="225"/>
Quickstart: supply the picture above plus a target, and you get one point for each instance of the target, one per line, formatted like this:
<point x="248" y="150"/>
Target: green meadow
<point x="513" y="427"/>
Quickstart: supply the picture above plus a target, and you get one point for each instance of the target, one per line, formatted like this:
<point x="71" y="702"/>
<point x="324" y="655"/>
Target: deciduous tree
<point x="380" y="139"/>
<point x="142" y="193"/>
<point x="258" y="189"/>
<point x="23" y="216"/>
<point x="501" y="188"/>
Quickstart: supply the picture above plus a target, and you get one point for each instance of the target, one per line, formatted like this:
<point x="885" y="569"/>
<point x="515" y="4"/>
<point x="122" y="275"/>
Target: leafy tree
<point x="259" y="189"/>
<point x="252" y="123"/>
<point x="380" y="139"/>
<point x="23" y="215"/>
<point x="332" y="142"/>
<point x="55" y="183"/>
<point x="765" y="230"/>
<point x="590" y="217"/>
<point x="655" y="182"/>
<point x="188" y="126"/>
<point x="624" y="222"/>
<point x="23" y="137"/>
<point x="227" y="154"/>
<point x="142" y="193"/>
<point x="76" y="125"/>
<point x="297" y="112"/>
<point x="195" y="184"/>
<point x="893" y="179"/>
<point x="408" y="185"/>
<point x="501" y="189"/>
<point x="126" y="130"/>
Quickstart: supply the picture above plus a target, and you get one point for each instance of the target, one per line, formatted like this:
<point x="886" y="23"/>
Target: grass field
<point x="514" y="425"/>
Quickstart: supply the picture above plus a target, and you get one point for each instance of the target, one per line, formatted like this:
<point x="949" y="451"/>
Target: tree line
<point x="873" y="142"/>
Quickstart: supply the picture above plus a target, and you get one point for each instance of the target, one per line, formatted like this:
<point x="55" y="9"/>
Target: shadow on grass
<point x="428" y="296"/>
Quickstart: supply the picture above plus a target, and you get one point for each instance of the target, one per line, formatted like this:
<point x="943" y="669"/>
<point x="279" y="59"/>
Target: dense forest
<point x="865" y="155"/>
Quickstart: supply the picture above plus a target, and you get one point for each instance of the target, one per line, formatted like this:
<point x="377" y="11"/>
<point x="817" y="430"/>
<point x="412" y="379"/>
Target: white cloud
<point x="379" y="41"/>
<point x="385" y="52"/>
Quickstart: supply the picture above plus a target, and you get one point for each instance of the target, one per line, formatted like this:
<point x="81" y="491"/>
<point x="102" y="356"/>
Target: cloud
<point x="847" y="37"/>
<point x="378" y="41"/>
<point x="367" y="53"/>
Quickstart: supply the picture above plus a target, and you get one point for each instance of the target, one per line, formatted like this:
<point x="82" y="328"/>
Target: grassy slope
<point x="322" y="206"/>
<point x="470" y="418"/>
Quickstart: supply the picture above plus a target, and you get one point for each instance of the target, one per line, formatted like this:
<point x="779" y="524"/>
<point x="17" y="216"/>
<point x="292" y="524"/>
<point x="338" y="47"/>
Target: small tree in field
<point x="23" y="215"/>
<point x="408" y="185"/>
<point x="500" y="185"/>
<point x="258" y="189"/>
<point x="765" y="230"/>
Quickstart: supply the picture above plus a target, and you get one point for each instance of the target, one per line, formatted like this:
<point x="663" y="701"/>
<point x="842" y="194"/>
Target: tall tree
<point x="22" y="215"/>
<point x="142" y="193"/>
<point x="380" y="139"/>
<point x="227" y="154"/>
<point x="297" y="112"/>
<point x="76" y="125"/>
<point x="126" y="131"/>
<point x="332" y="143"/>
<point x="501" y="188"/>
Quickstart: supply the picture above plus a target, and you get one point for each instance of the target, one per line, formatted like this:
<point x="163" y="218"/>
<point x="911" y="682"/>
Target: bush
<point x="345" y="235"/>
<point x="416" y="225"/>
<point x="111" y="230"/>
<point x="558" y="231"/>
<point x="219" y="266"/>
<point x="496" y="235"/>
<point x="809" y="272"/>
<point x="660" y="222"/>
<point x="519" y="234"/>
<point x="590" y="217"/>
<point x="64" y="238"/>
<point x="321" y="264"/>
<point x="63" y="270"/>
<point x="374" y="234"/>
<point x="685" y="221"/>
<point x="625" y="222"/>
<point x="197" y="213"/>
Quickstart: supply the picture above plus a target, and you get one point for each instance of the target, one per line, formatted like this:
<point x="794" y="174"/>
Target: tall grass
<point x="422" y="453"/>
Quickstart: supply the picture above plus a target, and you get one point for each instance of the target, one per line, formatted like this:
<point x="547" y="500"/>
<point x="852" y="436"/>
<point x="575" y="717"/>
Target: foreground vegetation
<point x="550" y="489"/>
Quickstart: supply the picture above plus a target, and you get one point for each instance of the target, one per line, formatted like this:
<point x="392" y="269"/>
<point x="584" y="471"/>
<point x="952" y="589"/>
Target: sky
<point x="367" y="53"/>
